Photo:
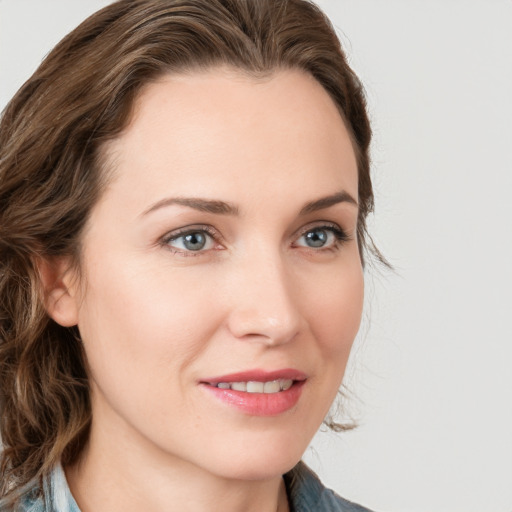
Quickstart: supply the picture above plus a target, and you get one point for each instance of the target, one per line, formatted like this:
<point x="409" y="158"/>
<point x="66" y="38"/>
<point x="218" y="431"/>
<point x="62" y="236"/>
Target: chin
<point x="259" y="469"/>
<point x="259" y="458"/>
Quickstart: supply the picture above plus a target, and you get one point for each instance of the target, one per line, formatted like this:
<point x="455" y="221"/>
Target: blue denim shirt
<point x="305" y="494"/>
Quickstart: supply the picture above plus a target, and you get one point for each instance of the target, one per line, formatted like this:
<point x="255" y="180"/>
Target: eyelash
<point x="175" y="235"/>
<point x="340" y="237"/>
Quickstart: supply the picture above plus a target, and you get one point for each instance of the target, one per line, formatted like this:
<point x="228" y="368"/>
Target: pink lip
<point x="258" y="404"/>
<point x="258" y="376"/>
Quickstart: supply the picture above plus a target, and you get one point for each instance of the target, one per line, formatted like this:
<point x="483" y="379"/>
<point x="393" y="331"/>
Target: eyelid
<point x="323" y="224"/>
<point x="193" y="228"/>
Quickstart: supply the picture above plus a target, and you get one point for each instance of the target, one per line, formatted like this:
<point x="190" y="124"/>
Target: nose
<point x="263" y="307"/>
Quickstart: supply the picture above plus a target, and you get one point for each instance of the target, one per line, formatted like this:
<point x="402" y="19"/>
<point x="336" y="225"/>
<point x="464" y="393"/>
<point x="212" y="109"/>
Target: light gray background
<point x="431" y="374"/>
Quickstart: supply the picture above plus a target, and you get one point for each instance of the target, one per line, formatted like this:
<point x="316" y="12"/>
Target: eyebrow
<point x="225" y="208"/>
<point x="328" y="201"/>
<point x="202" y="205"/>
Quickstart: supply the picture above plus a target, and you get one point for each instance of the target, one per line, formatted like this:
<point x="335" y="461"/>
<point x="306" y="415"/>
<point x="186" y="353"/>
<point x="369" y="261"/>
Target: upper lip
<point x="258" y="375"/>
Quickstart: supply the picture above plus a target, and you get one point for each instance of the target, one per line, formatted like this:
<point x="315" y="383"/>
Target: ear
<point x="59" y="286"/>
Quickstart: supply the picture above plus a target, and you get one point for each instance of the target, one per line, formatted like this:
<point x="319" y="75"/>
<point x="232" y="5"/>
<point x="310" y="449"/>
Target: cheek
<point x="336" y="310"/>
<point x="135" y="322"/>
<point x="142" y="334"/>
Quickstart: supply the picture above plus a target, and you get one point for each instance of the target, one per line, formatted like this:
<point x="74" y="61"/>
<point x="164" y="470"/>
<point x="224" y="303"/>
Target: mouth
<point x="268" y="387"/>
<point x="258" y="393"/>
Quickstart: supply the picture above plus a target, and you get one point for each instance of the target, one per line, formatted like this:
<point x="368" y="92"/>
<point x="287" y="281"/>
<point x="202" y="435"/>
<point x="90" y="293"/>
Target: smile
<point x="269" y="387"/>
<point x="258" y="392"/>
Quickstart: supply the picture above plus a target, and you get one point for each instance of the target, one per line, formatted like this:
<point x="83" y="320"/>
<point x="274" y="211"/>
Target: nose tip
<point x="268" y="326"/>
<point x="263" y="308"/>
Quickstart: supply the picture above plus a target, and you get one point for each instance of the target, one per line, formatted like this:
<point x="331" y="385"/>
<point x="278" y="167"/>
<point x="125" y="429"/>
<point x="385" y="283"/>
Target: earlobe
<point x="59" y="289"/>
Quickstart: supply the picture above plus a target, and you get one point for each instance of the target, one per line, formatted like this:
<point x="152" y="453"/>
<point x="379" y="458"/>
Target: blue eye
<point x="191" y="241"/>
<point x="317" y="237"/>
<point x="322" y="237"/>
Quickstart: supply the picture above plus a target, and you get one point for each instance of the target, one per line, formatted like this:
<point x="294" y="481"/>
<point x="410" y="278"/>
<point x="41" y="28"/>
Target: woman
<point x="184" y="188"/>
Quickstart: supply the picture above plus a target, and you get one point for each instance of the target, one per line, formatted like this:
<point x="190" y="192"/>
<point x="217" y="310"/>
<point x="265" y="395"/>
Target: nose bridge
<point x="263" y="304"/>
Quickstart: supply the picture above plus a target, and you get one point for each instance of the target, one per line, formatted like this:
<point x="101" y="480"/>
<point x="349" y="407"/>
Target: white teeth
<point x="273" y="386"/>
<point x="239" y="386"/>
<point x="286" y="384"/>
<point x="269" y="387"/>
<point x="255" y="387"/>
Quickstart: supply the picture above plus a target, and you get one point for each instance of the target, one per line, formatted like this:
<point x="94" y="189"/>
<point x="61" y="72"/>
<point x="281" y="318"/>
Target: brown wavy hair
<point x="51" y="175"/>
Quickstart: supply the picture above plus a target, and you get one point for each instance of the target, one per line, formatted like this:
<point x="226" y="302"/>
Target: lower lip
<point x="259" y="404"/>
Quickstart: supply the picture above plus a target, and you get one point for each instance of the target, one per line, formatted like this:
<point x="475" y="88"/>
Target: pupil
<point x="195" y="241"/>
<point x="316" y="238"/>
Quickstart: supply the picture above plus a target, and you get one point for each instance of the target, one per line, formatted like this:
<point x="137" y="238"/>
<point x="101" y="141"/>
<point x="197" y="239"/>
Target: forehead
<point x="201" y="129"/>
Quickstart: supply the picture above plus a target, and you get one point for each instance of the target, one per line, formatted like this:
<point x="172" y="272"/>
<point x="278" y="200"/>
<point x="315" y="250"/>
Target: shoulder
<point x="307" y="494"/>
<point x="28" y="499"/>
<point x="50" y="495"/>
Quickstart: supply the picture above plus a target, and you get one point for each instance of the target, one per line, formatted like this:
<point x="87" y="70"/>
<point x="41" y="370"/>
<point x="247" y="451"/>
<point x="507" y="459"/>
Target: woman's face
<point x="222" y="277"/>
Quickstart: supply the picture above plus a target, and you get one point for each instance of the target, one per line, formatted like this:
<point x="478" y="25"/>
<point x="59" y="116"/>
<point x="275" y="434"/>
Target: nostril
<point x="268" y="330"/>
